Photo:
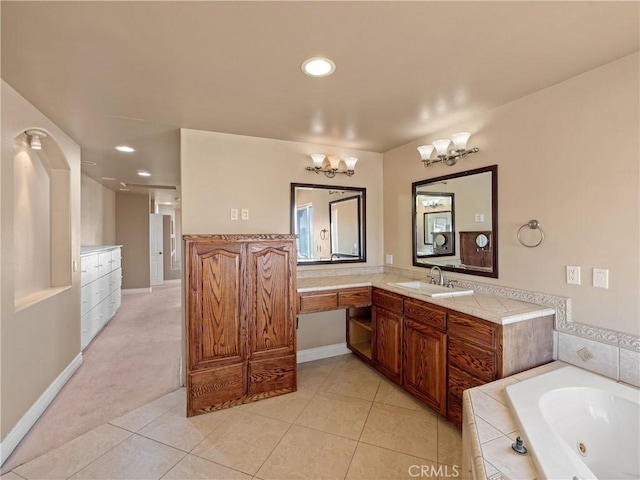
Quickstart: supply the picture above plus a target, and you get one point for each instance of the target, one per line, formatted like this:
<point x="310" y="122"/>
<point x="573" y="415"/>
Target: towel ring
<point x="533" y="225"/>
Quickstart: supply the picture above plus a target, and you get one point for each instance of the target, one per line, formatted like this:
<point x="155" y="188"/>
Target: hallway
<point x="133" y="361"/>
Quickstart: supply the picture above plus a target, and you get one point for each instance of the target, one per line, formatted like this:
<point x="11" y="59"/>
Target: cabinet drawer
<point x="476" y="361"/>
<point x="473" y="329"/>
<point x="317" y="301"/>
<point x="354" y="297"/>
<point x="459" y="381"/>
<point x="387" y="300"/>
<point x="88" y="269"/>
<point x="424" y="313"/>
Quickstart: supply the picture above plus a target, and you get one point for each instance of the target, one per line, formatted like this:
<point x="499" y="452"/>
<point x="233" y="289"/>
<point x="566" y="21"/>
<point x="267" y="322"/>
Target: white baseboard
<point x="132" y="291"/>
<point x="32" y="415"/>
<point x="311" y="354"/>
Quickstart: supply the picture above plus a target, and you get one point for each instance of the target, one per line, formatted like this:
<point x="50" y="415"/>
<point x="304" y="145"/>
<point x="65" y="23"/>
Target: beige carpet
<point x="134" y="360"/>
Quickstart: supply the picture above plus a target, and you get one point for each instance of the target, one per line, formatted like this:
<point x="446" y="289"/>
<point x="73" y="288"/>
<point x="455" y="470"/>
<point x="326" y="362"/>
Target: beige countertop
<point x="496" y="309"/>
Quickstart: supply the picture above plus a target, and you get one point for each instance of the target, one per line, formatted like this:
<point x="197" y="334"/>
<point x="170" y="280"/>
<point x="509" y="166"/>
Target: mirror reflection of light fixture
<point x="444" y="154"/>
<point x="34" y="137"/>
<point x="334" y="165"/>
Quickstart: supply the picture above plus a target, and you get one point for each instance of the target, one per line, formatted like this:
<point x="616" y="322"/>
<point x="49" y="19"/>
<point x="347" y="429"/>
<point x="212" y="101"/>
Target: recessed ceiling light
<point x="144" y="173"/>
<point x="318" y="67"/>
<point x="124" y="148"/>
<point x="108" y="178"/>
<point x="124" y="189"/>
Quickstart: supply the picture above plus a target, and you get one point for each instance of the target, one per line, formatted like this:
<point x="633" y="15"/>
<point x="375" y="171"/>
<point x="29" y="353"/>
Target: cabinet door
<point x="387" y="343"/>
<point x="216" y="326"/>
<point x="425" y="364"/>
<point x="271" y="318"/>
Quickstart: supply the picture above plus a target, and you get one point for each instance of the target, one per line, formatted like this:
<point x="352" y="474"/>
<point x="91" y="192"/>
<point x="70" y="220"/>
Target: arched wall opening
<point x="42" y="220"/>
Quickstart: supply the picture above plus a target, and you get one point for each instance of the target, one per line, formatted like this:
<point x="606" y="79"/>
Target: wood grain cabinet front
<point x="425" y="353"/>
<point x="240" y="319"/>
<point x="387" y="333"/>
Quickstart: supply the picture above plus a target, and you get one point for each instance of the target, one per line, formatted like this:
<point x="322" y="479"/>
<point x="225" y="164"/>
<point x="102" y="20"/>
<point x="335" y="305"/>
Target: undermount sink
<point x="435" y="291"/>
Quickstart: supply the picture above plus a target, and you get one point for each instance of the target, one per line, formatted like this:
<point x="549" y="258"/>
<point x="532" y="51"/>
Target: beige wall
<point x="567" y="156"/>
<point x="132" y="232"/>
<point x="41" y="339"/>
<point x="98" y="213"/>
<point x="221" y="171"/>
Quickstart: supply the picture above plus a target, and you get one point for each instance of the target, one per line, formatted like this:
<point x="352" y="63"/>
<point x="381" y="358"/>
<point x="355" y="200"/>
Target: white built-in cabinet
<point x="101" y="279"/>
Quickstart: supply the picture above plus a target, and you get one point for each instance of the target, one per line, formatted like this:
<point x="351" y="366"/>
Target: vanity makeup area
<point x="434" y="340"/>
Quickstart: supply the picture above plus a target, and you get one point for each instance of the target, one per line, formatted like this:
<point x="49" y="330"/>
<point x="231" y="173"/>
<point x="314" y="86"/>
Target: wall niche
<point x="41" y="221"/>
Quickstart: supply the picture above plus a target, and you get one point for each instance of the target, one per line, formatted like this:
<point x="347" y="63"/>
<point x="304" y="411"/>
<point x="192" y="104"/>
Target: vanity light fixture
<point x="334" y="165"/>
<point x="443" y="153"/>
<point x="34" y="137"/>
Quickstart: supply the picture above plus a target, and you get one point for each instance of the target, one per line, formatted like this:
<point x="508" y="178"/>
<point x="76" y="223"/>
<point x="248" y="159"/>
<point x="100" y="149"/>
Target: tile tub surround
<point x="489" y="428"/>
<point x="614" y="354"/>
<point x="346" y="421"/>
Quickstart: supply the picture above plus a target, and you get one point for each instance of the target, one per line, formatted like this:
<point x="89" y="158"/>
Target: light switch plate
<point x="601" y="278"/>
<point x="389" y="259"/>
<point x="234" y="214"/>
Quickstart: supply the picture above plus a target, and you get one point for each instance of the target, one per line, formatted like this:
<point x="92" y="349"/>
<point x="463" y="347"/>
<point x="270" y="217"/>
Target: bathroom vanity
<point x="435" y="348"/>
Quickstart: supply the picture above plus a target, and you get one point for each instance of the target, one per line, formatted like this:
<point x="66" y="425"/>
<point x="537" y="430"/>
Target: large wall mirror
<point x="455" y="222"/>
<point x="329" y="222"/>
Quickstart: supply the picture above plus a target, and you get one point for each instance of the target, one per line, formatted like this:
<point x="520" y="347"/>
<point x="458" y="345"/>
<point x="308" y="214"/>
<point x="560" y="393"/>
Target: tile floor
<point x="346" y="421"/>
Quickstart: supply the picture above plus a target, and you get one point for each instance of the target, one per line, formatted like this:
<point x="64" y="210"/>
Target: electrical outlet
<point x="245" y="214"/>
<point x="234" y="214"/>
<point x="601" y="277"/>
<point x="573" y="275"/>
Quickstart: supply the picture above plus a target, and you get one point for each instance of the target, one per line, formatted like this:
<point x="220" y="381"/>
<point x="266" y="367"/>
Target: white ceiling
<point x="112" y="73"/>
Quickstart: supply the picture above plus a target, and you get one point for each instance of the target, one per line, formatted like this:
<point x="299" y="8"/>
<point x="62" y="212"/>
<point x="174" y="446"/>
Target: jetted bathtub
<point x="579" y="425"/>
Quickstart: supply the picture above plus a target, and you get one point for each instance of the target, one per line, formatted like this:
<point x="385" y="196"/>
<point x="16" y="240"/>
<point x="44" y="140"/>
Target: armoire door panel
<point x="216" y="388"/>
<point x="273" y="298"/>
<point x="217" y="336"/>
<point x="278" y="374"/>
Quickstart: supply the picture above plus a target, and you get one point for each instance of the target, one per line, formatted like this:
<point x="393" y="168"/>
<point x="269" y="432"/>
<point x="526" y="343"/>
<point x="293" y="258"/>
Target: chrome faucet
<point x="440" y="276"/>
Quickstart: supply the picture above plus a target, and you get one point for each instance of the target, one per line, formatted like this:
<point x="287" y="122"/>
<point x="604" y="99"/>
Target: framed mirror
<point x="330" y="223"/>
<point x="455" y="222"/>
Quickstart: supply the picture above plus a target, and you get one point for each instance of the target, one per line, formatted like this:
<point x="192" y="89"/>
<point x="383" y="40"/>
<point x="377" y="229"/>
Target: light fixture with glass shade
<point x="443" y="153"/>
<point x="334" y="165"/>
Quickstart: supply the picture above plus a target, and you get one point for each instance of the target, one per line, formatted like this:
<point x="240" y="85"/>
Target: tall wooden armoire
<point x="240" y="294"/>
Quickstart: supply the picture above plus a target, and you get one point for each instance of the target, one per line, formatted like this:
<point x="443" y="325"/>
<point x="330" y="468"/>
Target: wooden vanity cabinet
<point x="240" y="319"/>
<point x="480" y="352"/>
<point x="387" y="333"/>
<point x="425" y="353"/>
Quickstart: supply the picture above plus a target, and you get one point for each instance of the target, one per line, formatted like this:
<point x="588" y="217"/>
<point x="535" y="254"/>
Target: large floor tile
<point x="196" y="468"/>
<point x="243" y="442"/>
<point x="391" y="394"/>
<point x="335" y="413"/>
<point x="285" y="407"/>
<point x="11" y="476"/>
<point x="308" y="454"/>
<point x="176" y="430"/>
<point x="414" y="432"/>
<point x="449" y="443"/>
<point x="375" y="463"/>
<point x="140" y="417"/>
<point x="136" y="458"/>
<point x="71" y="457"/>
<point x="353" y="378"/>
